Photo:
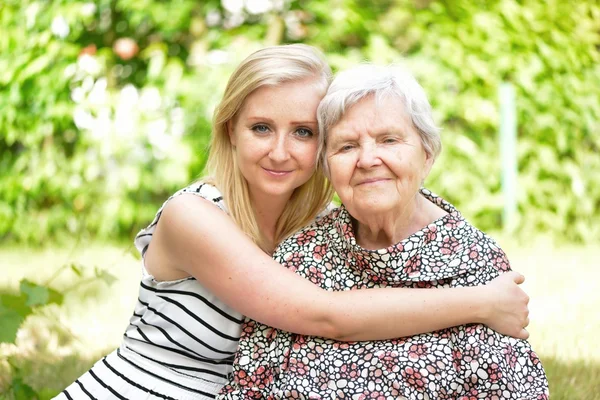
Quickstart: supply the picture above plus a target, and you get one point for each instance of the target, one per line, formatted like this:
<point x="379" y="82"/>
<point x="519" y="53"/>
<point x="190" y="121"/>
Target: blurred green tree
<point x="105" y="106"/>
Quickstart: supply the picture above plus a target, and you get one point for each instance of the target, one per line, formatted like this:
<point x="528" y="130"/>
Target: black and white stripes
<point x="180" y="342"/>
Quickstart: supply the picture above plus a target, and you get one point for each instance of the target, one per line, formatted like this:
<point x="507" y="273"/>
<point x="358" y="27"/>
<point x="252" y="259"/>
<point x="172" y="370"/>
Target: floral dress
<point x="464" y="362"/>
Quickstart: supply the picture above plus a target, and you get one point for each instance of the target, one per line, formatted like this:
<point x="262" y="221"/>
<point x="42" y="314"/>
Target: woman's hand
<point x="507" y="309"/>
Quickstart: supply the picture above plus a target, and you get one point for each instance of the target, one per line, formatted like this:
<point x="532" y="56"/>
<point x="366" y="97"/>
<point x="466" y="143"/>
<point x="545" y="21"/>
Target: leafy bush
<point x="105" y="106"/>
<point x="33" y="299"/>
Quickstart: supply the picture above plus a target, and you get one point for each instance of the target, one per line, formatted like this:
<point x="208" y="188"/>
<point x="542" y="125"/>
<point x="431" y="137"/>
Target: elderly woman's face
<point x="376" y="159"/>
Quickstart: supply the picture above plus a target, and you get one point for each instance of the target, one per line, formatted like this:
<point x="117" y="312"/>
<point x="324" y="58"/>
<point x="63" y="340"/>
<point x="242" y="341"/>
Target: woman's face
<point x="376" y="158"/>
<point x="275" y="137"/>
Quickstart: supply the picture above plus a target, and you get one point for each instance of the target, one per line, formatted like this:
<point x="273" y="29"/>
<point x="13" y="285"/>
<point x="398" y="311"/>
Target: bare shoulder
<point x="187" y="208"/>
<point x="183" y="219"/>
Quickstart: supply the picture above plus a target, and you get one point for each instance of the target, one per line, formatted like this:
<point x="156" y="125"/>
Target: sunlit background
<point x="105" y="110"/>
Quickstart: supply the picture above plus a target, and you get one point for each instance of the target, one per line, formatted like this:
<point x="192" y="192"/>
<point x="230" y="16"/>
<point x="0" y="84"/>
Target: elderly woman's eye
<point x="389" y="140"/>
<point x="304" y="132"/>
<point x="346" y="147"/>
<point x="260" y="128"/>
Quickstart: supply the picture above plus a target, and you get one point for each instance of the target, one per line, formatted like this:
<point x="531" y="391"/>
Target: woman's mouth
<point x="277" y="173"/>
<point x="372" y="181"/>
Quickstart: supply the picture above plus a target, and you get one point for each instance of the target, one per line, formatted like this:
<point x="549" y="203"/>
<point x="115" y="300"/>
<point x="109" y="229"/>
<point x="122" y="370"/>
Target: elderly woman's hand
<point x="507" y="311"/>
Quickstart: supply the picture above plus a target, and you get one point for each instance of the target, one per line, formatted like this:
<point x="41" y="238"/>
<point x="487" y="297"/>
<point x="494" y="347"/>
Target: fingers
<point x="523" y="334"/>
<point x="517" y="277"/>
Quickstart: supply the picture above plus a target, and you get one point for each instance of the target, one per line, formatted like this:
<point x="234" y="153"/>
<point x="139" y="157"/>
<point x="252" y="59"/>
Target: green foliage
<point x="33" y="299"/>
<point x="105" y="106"/>
<point x="15" y="308"/>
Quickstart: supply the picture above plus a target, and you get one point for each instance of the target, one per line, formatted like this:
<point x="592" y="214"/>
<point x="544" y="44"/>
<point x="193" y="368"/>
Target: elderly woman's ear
<point x="325" y="165"/>
<point x="429" y="160"/>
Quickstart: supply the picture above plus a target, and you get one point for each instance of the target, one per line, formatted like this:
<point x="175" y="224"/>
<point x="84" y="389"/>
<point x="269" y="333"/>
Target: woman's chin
<point x="371" y="207"/>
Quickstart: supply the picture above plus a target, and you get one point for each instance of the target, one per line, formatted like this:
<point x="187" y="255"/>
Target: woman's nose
<point x="279" y="151"/>
<point x="368" y="157"/>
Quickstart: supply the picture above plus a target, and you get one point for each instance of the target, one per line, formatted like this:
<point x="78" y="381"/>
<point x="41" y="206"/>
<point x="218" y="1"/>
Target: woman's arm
<point x="192" y="237"/>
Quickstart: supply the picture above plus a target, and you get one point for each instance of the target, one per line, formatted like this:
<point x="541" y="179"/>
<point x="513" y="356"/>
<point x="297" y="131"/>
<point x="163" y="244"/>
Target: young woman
<point x="209" y="262"/>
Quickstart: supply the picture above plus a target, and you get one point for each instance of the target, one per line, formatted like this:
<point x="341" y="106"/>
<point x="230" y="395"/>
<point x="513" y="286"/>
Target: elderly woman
<point x="380" y="144"/>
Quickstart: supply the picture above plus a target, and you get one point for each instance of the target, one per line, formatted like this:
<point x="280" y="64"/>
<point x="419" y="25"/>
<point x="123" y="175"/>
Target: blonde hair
<point x="266" y="67"/>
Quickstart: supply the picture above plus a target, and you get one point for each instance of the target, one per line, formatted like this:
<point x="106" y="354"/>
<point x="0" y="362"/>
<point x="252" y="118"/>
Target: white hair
<point x="351" y="86"/>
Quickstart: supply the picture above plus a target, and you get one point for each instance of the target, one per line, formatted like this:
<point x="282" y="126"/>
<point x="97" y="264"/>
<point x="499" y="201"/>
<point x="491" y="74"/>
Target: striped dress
<point x="180" y="342"/>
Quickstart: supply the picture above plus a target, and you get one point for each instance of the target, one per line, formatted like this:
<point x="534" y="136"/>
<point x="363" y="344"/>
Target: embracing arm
<point x="194" y="238"/>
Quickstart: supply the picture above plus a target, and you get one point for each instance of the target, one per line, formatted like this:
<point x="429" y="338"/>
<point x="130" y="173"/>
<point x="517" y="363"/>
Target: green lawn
<point x="52" y="352"/>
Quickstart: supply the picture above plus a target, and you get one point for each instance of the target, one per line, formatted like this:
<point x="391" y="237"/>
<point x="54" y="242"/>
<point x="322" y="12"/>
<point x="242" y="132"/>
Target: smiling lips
<point x="277" y="173"/>
<point x="371" y="181"/>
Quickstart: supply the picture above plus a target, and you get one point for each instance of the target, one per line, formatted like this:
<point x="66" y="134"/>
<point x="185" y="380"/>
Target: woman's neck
<point x="381" y="231"/>
<point x="267" y="210"/>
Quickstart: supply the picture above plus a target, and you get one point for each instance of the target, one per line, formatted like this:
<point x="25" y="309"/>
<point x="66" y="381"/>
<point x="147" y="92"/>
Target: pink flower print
<point x="424" y="285"/>
<point x="470" y="330"/>
<point x="417" y="351"/>
<point x="347" y="231"/>
<point x="370" y="277"/>
<point x="293" y="260"/>
<point x="510" y="355"/>
<point x="306" y="237"/>
<point x="499" y="261"/>
<point x="413" y="266"/>
<point x="248" y="327"/>
<point x="342" y="345"/>
<point x="319" y="252"/>
<point x="398" y="248"/>
<point x="270" y="334"/>
<point x="413" y="378"/>
<point x="314" y="275"/>
<point x="389" y="359"/>
<point x="240" y="378"/>
<point x="298" y="367"/>
<point x="260" y="378"/>
<point x="361" y="263"/>
<point x="472" y="395"/>
<point x="474" y="252"/>
<point x="349" y="371"/>
<point x="451" y="222"/>
<point x="494" y="373"/>
<point x="534" y="358"/>
<point x="431" y="234"/>
<point x="449" y="245"/>
<point x="372" y="395"/>
<point x="456" y="359"/>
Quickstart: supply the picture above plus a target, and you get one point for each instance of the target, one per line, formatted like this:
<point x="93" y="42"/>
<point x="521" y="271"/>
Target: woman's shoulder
<point x="205" y="190"/>
<point x="201" y="189"/>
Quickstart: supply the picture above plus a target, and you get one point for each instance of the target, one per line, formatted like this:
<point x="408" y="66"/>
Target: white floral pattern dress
<point x="464" y="362"/>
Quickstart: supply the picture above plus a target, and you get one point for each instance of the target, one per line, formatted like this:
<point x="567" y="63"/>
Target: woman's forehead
<point x="372" y="116"/>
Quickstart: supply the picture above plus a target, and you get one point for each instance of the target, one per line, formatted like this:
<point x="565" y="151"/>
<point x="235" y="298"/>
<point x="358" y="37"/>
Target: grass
<point x="52" y="352"/>
<point x="565" y="323"/>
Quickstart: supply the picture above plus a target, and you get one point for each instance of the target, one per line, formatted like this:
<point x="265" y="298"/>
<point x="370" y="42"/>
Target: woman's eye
<point x="303" y="132"/>
<point x="346" y="147"/>
<point x="389" y="140"/>
<point x="260" y="128"/>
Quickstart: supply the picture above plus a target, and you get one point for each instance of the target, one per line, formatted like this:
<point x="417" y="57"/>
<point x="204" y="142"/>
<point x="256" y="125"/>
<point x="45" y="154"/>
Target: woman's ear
<point x="325" y="166"/>
<point x="230" y="132"/>
<point x="429" y="160"/>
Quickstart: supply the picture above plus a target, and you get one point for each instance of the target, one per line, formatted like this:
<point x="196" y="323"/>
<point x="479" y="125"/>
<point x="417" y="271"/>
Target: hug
<point x="254" y="285"/>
